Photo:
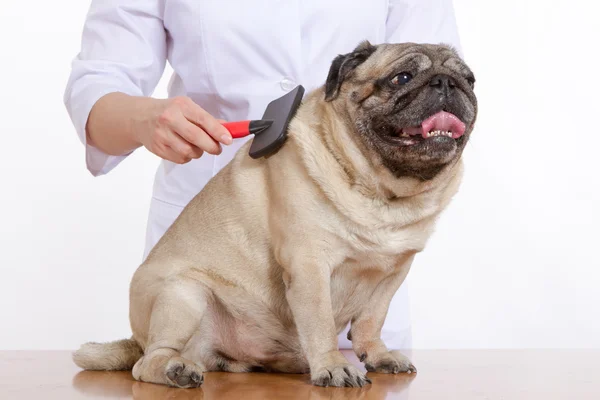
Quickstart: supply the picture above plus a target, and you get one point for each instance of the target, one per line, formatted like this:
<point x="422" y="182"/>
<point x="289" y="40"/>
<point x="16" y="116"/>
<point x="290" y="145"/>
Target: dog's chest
<point x="383" y="247"/>
<point x="369" y="263"/>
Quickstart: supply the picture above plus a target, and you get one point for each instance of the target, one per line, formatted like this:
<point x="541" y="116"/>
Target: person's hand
<point x="178" y="129"/>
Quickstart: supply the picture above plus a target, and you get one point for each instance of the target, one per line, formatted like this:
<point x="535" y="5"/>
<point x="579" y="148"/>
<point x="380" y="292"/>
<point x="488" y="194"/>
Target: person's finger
<point x="195" y="135"/>
<point x="172" y="155"/>
<point x="183" y="147"/>
<point x="162" y="150"/>
<point x="200" y="117"/>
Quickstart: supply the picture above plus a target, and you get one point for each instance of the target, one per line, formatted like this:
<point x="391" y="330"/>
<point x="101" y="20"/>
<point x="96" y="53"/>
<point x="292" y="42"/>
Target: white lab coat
<point x="232" y="57"/>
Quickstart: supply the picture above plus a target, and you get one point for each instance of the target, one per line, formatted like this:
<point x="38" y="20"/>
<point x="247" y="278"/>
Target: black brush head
<point x="280" y="111"/>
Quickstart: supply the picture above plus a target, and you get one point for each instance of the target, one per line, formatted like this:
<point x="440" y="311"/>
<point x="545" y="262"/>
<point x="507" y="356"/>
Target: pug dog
<point x="316" y="236"/>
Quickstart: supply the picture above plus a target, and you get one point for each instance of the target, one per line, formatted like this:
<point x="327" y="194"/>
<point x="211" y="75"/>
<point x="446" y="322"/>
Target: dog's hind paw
<point x="183" y="373"/>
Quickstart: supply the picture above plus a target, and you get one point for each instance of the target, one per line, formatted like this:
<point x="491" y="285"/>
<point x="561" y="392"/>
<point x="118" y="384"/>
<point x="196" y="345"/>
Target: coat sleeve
<point x="123" y="49"/>
<point x="422" y="21"/>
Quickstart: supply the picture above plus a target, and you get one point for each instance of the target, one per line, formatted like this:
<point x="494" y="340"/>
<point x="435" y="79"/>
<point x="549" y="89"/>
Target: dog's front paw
<point x="183" y="373"/>
<point x="339" y="375"/>
<point x="392" y="362"/>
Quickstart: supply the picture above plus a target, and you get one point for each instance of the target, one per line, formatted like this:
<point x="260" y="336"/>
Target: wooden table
<point x="443" y="375"/>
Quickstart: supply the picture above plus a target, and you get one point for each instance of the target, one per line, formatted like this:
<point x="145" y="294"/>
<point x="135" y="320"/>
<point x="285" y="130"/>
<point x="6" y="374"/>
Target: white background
<point x="514" y="262"/>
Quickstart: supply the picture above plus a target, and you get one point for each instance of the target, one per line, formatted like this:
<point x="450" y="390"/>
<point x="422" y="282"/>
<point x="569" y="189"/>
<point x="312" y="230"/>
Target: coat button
<point x="287" y="84"/>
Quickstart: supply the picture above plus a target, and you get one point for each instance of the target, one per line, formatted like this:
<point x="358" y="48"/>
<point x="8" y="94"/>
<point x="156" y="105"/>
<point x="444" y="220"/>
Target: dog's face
<point x="412" y="106"/>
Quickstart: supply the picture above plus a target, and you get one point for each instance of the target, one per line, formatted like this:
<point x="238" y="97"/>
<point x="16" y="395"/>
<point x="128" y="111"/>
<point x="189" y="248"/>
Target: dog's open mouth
<point x="442" y="124"/>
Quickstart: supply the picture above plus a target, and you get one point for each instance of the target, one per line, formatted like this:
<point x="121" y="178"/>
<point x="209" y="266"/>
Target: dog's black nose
<point x="442" y="83"/>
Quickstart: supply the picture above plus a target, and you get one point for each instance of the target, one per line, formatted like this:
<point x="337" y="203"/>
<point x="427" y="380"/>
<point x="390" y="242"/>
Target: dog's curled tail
<point x="113" y="356"/>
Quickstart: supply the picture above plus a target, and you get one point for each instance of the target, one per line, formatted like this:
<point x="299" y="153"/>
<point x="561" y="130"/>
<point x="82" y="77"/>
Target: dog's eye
<point x="402" y="78"/>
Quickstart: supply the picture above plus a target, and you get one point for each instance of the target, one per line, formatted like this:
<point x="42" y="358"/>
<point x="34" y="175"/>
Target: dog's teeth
<point x="404" y="134"/>
<point x="438" y="133"/>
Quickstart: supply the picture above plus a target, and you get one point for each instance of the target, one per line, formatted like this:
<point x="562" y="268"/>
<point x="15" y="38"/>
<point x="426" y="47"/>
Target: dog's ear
<point x="343" y="65"/>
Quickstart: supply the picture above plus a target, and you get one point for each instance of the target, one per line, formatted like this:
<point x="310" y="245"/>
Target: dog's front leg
<point x="365" y="331"/>
<point x="309" y="296"/>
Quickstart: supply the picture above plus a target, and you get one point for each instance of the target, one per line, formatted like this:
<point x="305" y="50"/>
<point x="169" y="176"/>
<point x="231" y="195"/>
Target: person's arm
<point x="422" y="21"/>
<point x="122" y="58"/>
<point x="175" y="129"/>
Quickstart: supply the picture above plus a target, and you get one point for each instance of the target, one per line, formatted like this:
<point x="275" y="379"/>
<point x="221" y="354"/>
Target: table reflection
<point x="235" y="386"/>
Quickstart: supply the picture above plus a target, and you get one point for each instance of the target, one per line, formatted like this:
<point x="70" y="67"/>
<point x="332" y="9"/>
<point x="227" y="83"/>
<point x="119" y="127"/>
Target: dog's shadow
<point x="235" y="386"/>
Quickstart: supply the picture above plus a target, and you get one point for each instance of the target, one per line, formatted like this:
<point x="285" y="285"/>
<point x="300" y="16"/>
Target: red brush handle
<point x="238" y="129"/>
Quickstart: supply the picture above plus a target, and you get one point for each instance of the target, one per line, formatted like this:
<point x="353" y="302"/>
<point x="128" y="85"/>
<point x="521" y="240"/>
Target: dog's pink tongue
<point x="443" y="121"/>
